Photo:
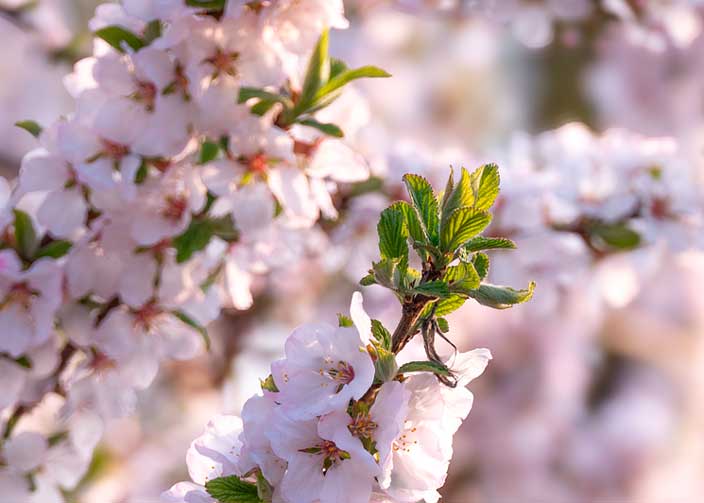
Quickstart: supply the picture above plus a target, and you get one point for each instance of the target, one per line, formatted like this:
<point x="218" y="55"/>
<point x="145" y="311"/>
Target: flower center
<point x="146" y="93"/>
<point x="343" y="373"/>
<point x="174" y="207"/>
<point x="114" y="150"/>
<point x="363" y="426"/>
<point x="257" y="163"/>
<point x="330" y="452"/>
<point x="20" y="294"/>
<point x="144" y="317"/>
<point x="224" y="62"/>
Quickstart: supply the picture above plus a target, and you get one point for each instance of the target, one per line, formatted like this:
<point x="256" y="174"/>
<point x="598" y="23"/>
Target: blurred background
<point x="594" y="112"/>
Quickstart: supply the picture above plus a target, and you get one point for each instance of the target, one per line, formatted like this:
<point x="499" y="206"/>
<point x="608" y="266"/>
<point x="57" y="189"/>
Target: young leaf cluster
<point x="325" y="77"/>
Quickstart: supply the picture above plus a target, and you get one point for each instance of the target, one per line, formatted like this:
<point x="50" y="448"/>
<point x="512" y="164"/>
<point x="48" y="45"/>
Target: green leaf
<point x="152" y="31"/>
<point x="344" y="321"/>
<point x="484" y="243"/>
<point x="337" y="66"/>
<point x="501" y="297"/>
<point x="25" y="235"/>
<point x="385" y="366"/>
<point x="192" y="240"/>
<point x="434" y="367"/>
<point x="481" y="264"/>
<point x="55" y="249"/>
<point x="317" y="74"/>
<point x="449" y="305"/>
<point x="264" y="489"/>
<point x="381" y="334"/>
<point x="485" y="186"/>
<point x="328" y="129"/>
<point x="368" y="280"/>
<point x="425" y="203"/>
<point x="232" y="489"/>
<point x="345" y="77"/>
<point x="209" y="150"/>
<point x="463" y="224"/>
<point x="269" y="384"/>
<point x="415" y="229"/>
<point x="224" y="228"/>
<point x="618" y="236"/>
<point x="443" y="325"/>
<point x="393" y="233"/>
<point x="207" y="4"/>
<point x="194" y="325"/>
<point x="462" y="277"/>
<point x="141" y="175"/>
<point x="438" y="289"/>
<point x="118" y="37"/>
<point x="247" y="93"/>
<point x="31" y="127"/>
<point x="262" y="107"/>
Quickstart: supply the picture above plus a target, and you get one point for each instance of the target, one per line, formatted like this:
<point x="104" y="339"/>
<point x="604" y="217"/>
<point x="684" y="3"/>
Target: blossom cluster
<point x="325" y="430"/>
<point x="201" y="153"/>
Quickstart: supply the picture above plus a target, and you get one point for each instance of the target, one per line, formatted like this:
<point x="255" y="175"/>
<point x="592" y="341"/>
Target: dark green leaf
<point x="434" y="367"/>
<point x="463" y="224"/>
<point x="317" y="74"/>
<point x="484" y="243"/>
<point x="347" y="76"/>
<point x="192" y="240"/>
<point x="152" y="31"/>
<point x="31" y="127"/>
<point x="207" y="4"/>
<point x="337" y="66"/>
<point x="209" y="150"/>
<point x="194" y="325"/>
<point x="443" y="325"/>
<point x="481" y="264"/>
<point x="501" y="297"/>
<point x="262" y="107"/>
<point x="368" y="280"/>
<point x="224" y="228"/>
<point x="438" y="289"/>
<point x="141" y="175"/>
<point x="25" y="235"/>
<point x="118" y="37"/>
<point x="617" y="236"/>
<point x="393" y="233"/>
<point x="232" y="489"/>
<point x="328" y="129"/>
<point x="425" y="203"/>
<point x="55" y="249"/>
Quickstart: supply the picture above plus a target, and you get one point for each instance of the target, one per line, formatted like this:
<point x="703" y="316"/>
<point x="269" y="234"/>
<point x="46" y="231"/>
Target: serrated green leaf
<point x="344" y="321"/>
<point x="438" y="289"/>
<point x="345" y="77"/>
<point x="194" y="325"/>
<point x="462" y="277"/>
<point x="232" y="489"/>
<point x="446" y="306"/>
<point x="460" y="195"/>
<point x="317" y="74"/>
<point x="462" y="224"/>
<point x="501" y="297"/>
<point x="485" y="186"/>
<point x="481" y="264"/>
<point x="443" y="325"/>
<point x="118" y="37"/>
<point x="425" y="203"/>
<point x="618" y="236"/>
<point x="483" y="243"/>
<point x="25" y="235"/>
<point x="329" y="129"/>
<point x="385" y="272"/>
<point x="393" y="233"/>
<point x="434" y="367"/>
<point x="32" y="127"/>
<point x="55" y="249"/>
<point x="415" y="229"/>
<point x="381" y="334"/>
